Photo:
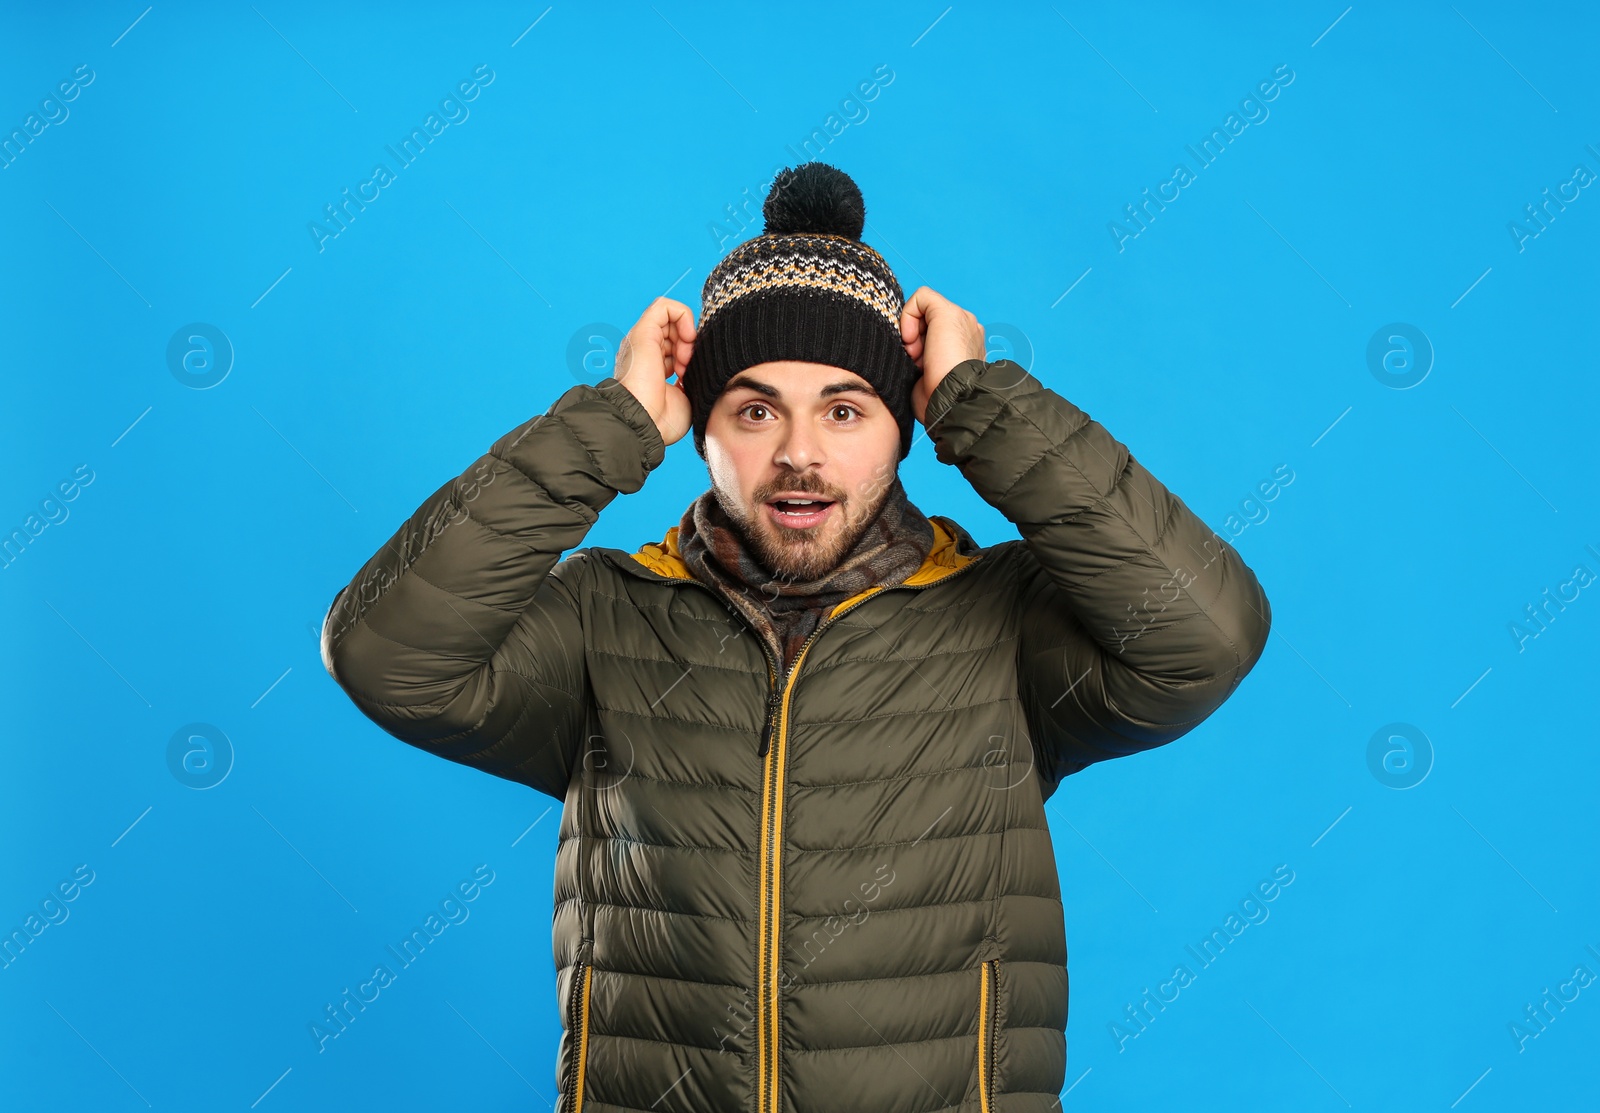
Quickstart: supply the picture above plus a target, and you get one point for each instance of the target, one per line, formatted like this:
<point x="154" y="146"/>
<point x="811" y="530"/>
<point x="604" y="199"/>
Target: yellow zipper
<point x="985" y="1041"/>
<point x="767" y="958"/>
<point x="583" y="1040"/>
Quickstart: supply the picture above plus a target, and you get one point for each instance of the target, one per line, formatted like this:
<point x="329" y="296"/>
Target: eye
<point x="744" y="411"/>
<point x="848" y="410"/>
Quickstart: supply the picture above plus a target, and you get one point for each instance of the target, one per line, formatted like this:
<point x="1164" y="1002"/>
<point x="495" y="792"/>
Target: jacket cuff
<point x="967" y="377"/>
<point x="631" y="410"/>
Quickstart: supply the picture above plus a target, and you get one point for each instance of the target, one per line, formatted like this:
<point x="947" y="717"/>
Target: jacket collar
<point x="953" y="548"/>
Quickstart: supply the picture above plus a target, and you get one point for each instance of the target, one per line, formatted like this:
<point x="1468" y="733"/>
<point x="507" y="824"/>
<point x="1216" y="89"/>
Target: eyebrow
<point x="828" y="391"/>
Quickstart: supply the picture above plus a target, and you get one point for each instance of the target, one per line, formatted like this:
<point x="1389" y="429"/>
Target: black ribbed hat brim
<point x="812" y="326"/>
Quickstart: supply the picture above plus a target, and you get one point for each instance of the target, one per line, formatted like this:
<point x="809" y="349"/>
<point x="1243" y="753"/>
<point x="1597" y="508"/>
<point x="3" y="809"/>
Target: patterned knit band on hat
<point x="806" y="289"/>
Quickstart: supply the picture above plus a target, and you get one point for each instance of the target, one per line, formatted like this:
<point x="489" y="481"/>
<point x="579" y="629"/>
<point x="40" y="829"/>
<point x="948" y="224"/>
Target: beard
<point x="805" y="554"/>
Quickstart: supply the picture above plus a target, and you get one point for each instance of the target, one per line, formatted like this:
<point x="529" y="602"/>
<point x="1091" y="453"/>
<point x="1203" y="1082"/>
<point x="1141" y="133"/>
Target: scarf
<point x="787" y="612"/>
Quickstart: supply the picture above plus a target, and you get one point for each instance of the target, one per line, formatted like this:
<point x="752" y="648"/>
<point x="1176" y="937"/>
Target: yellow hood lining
<point x="662" y="558"/>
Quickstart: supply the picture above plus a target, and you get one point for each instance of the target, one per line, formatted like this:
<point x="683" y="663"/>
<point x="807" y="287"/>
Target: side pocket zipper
<point x="578" y="1024"/>
<point x="988" y="1011"/>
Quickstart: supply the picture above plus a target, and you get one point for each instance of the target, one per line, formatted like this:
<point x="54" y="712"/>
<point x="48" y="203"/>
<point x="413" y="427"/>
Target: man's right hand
<point x="656" y="349"/>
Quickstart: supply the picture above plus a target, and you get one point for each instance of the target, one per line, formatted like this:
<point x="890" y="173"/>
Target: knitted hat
<point x="806" y="289"/>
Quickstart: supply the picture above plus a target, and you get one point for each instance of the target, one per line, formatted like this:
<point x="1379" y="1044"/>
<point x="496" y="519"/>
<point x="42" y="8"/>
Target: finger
<point x="910" y="325"/>
<point x="655" y="315"/>
<point x="683" y="351"/>
<point x="667" y="345"/>
<point x="920" y="310"/>
<point x="677" y="334"/>
<point x="674" y="317"/>
<point x="912" y="331"/>
<point x="683" y="321"/>
<point x="658" y="318"/>
<point x="923" y="300"/>
<point x="911" y="316"/>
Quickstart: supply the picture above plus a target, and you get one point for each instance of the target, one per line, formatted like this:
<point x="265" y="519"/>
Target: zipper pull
<point x="766" y="731"/>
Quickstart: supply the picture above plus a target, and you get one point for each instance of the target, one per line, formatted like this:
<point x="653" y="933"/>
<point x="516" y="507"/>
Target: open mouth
<point x="800" y="513"/>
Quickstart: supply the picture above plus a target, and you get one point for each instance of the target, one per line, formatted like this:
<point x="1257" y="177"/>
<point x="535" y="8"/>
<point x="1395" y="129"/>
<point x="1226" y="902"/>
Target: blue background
<point x="1226" y="342"/>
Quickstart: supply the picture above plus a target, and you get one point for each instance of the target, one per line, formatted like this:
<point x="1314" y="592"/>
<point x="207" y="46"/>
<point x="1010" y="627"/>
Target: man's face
<point x="790" y="430"/>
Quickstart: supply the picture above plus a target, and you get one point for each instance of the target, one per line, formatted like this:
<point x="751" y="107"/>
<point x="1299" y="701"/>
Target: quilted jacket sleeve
<point x="1137" y="620"/>
<point x="462" y="635"/>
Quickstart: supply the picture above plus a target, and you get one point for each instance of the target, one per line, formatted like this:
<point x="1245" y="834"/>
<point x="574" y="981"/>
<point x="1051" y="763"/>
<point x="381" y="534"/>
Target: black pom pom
<point x="814" y="197"/>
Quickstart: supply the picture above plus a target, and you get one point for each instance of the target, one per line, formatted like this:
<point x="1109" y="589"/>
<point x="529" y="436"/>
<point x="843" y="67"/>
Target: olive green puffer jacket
<point x="831" y="890"/>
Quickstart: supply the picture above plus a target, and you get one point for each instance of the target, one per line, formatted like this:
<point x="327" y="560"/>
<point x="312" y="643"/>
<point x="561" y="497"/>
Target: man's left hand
<point x="938" y="334"/>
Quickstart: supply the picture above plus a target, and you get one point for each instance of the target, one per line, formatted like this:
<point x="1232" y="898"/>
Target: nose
<point x="800" y="447"/>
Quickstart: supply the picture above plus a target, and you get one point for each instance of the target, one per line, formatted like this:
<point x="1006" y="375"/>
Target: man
<point x="805" y="740"/>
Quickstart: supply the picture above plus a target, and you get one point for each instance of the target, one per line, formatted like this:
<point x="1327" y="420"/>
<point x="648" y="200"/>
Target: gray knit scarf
<point x="787" y="612"/>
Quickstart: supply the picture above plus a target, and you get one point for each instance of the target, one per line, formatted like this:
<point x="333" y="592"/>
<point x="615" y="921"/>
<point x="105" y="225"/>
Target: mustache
<point x="810" y="486"/>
